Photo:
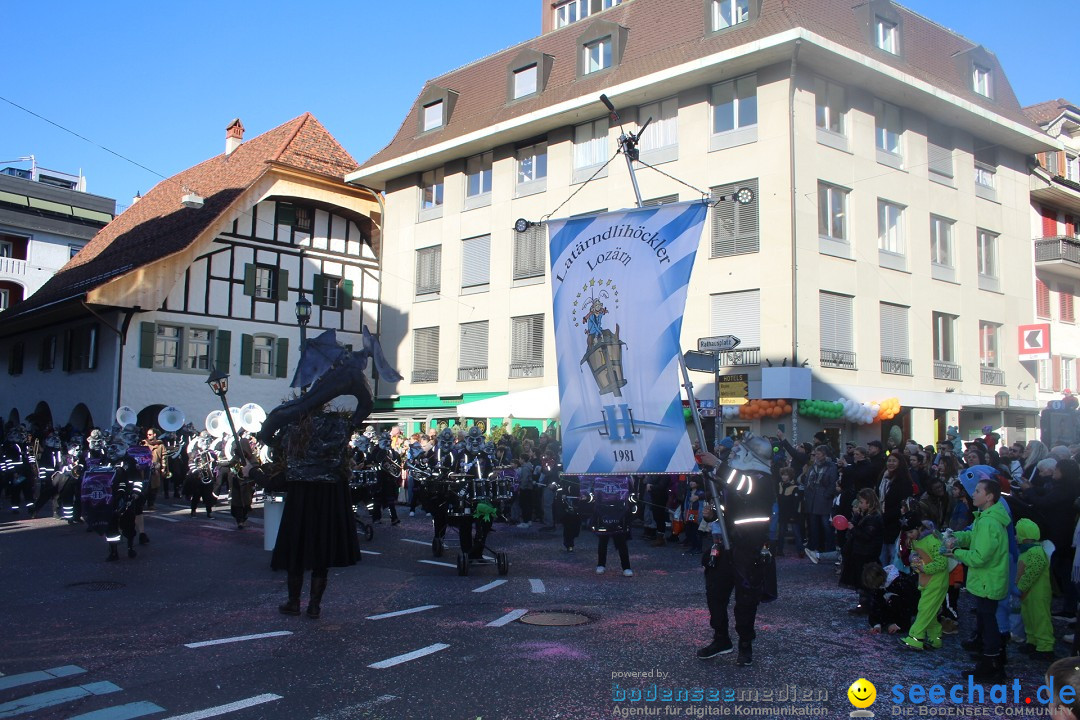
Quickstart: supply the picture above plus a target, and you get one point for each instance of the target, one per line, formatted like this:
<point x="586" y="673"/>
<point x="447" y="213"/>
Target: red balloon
<point x="840" y="523"/>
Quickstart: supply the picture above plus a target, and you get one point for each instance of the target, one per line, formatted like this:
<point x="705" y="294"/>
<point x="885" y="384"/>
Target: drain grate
<point x="555" y="619"/>
<point x="95" y="585"/>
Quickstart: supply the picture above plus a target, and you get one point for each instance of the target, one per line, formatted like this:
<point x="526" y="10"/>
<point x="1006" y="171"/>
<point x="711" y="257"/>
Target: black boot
<point x="746" y="655"/>
<point x="719" y="646"/>
<point x="114" y="554"/>
<point x="294" y="583"/>
<point x="989" y="669"/>
<point x="131" y="552"/>
<point x="318" y="587"/>
<point x="144" y="539"/>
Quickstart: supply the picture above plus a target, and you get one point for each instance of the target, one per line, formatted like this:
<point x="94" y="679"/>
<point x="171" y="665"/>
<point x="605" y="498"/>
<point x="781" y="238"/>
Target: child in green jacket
<point x="933" y="569"/>
<point x="1033" y="581"/>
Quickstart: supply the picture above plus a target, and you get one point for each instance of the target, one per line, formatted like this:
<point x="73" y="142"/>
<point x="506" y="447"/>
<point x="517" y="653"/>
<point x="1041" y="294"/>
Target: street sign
<point x="734" y="389"/>
<point x="702" y="362"/>
<point x="1034" y="341"/>
<point x="720" y="343"/>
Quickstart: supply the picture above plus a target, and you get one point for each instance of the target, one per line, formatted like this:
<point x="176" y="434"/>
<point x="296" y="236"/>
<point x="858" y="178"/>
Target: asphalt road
<point x="87" y="639"/>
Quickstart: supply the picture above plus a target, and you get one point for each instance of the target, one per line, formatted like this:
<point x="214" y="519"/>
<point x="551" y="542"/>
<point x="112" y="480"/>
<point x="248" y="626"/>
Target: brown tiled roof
<point x="667" y="33"/>
<point x="157" y="226"/>
<point x="1044" y="112"/>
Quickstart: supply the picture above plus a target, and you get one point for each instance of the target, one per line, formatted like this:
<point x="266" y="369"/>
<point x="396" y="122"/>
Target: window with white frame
<point x="531" y="167"/>
<point x="837" y="331"/>
<point x="895" y="354"/>
<point x="527" y="346"/>
<point x="1068" y="372"/>
<point x="433" y="116"/>
<point x="980" y="79"/>
<point x="887" y="35"/>
<point x="525" y="81"/>
<point x="263" y="361"/>
<point x="478" y="178"/>
<point x="431" y="192"/>
<point x="197" y="347"/>
<point x="329" y="292"/>
<point x="734" y="104"/>
<point x="832" y="212"/>
<point x="574" y="10"/>
<point x="529" y="254"/>
<point x="985" y="165"/>
<point x="266" y="282"/>
<point x="890" y="227"/>
<point x="663" y="131"/>
<point x="167" y="347"/>
<point x="831" y="105"/>
<point x="475" y="263"/>
<point x="473" y="351"/>
<point x="597" y="55"/>
<point x="1046" y="376"/>
<point x="986" y="249"/>
<point x="988" y="344"/>
<point x="944" y="337"/>
<point x="888" y="130"/>
<point x="590" y="148"/>
<point x="425" y="355"/>
<point x="736" y="228"/>
<point x="727" y="13"/>
<point x="738" y="314"/>
<point x="1072" y="168"/>
<point x="4" y="299"/>
<point x="428" y="270"/>
<point x="939" y="154"/>
<point x="941" y="241"/>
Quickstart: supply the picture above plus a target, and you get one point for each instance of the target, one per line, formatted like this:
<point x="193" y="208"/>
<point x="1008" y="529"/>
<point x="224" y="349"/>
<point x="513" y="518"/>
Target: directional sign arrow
<point x="1034" y="339"/>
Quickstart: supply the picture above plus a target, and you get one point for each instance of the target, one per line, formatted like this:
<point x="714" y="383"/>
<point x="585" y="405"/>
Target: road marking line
<point x="370" y="552"/>
<point x="38" y="675"/>
<point x="350" y="711"/>
<point x="30" y="703"/>
<point x="121" y="712"/>
<point x="391" y="662"/>
<point x="383" y="616"/>
<point x="418" y="542"/>
<point x="166" y="518"/>
<point x="218" y="527"/>
<point x="436" y="562"/>
<point x="238" y="638"/>
<point x="231" y="707"/>
<point x="507" y="618"/>
<point x="489" y="586"/>
<point x="537" y="585"/>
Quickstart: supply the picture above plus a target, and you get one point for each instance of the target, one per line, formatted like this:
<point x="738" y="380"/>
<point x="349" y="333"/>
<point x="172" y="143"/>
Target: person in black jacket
<point x="863" y="546"/>
<point x="657" y="487"/>
<point x="799" y="455"/>
<point x="894" y="488"/>
<point x="821" y="488"/>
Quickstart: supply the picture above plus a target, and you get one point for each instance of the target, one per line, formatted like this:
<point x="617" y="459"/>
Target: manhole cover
<point x="555" y="618"/>
<point x="97" y="585"/>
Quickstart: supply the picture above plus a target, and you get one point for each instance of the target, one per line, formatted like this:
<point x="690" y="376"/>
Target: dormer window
<point x="434" y="109"/>
<point x="433" y="116"/>
<point x="574" y="10"/>
<point x="980" y="79"/>
<point x="728" y="13"/>
<point x="527" y="74"/>
<point x="525" y="81"/>
<point x="597" y="55"/>
<point x="600" y="47"/>
<point x="886" y="35"/>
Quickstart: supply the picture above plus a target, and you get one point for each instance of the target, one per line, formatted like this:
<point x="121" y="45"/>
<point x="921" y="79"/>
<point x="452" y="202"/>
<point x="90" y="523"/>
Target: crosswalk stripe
<point x="31" y="703"/>
<point x="222" y="709"/>
<point x="507" y="618"/>
<point x="370" y="552"/>
<point x="121" y="712"/>
<point x="238" y="638"/>
<point x="436" y="562"/>
<point x="217" y="527"/>
<point x="383" y="616"/>
<point x="417" y="542"/>
<point x="26" y="678"/>
<point x="397" y="660"/>
<point x="537" y="585"/>
<point x="491" y="585"/>
<point x="166" y="518"/>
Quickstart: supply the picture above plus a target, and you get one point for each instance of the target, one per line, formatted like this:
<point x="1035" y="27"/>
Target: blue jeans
<point x="821" y="534"/>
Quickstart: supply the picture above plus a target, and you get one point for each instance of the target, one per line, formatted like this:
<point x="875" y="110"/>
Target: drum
<point x="483" y="489"/>
<point x="458" y="493"/>
<point x="505" y="483"/>
<point x="97" y="497"/>
<point x="363" y="485"/>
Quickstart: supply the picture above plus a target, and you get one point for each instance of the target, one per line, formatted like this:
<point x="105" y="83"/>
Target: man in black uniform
<point x="747" y="494"/>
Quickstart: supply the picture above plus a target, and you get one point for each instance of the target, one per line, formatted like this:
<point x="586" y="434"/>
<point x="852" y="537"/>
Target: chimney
<point x="234" y="135"/>
<point x="137" y="198"/>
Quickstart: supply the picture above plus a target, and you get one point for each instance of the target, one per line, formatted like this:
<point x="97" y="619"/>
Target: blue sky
<point x="159" y="83"/>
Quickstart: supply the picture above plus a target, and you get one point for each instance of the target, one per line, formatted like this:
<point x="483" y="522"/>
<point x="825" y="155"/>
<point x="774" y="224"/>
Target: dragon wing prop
<point x="316" y="357"/>
<point x="374" y="350"/>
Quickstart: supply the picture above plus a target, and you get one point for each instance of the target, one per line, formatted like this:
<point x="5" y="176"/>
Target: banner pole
<point x="709" y="477"/>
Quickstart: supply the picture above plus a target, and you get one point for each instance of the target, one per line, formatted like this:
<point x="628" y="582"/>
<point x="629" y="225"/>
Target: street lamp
<point x="219" y="384"/>
<point x="303" y="317"/>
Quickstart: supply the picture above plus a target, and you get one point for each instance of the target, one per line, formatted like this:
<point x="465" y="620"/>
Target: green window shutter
<point x="282" y="357"/>
<point x="283" y="285"/>
<point x="147" y="335"/>
<point x="222" y="350"/>
<point x="67" y="351"/>
<point x="318" y="295"/>
<point x="345" y="295"/>
<point x="246" y="343"/>
<point x="249" y="279"/>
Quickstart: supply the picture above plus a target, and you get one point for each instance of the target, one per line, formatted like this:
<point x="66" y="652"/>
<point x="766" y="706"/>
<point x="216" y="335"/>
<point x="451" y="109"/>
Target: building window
<point x="837" y="336"/>
<point x="473" y="351"/>
<point x="832" y="212"/>
<point x="986" y="247"/>
<point x="294" y="216"/>
<point x="888" y="130"/>
<point x="944" y="337"/>
<point x="431" y="194"/>
<point x="332" y="293"/>
<point x="887" y="36"/>
<point x="941" y="241"/>
<point x="262" y="356"/>
<point x="197" y="349"/>
<point x="1065" y="304"/>
<point x="895" y="358"/>
<point x="988" y="344"/>
<point x="738" y="314"/>
<point x="734" y="107"/>
<point x="73" y="250"/>
<point x="177" y="347"/>
<point x="265" y="282"/>
<point x="525" y="81"/>
<point x="1042" y="299"/>
<point x="7" y="249"/>
<point x="433" y="116"/>
<point x="590" y="148"/>
<point x="527" y="346"/>
<point x="478" y="180"/>
<point x="529" y="253"/>
<point x="1072" y="168"/>
<point x="890" y="227"/>
<point x="1068" y="372"/>
<point x="475" y="263"/>
<point x="574" y="10"/>
<point x="15" y="360"/>
<point x="425" y="355"/>
<point x="980" y="79"/>
<point x="985" y="170"/>
<point x="428" y="270"/>
<point x="81" y="349"/>
<point x="167" y="347"/>
<point x="727" y="13"/>
<point x="1045" y="379"/>
<point x="532" y="169"/>
<point x="5" y="299"/>
<point x="661" y="137"/>
<point x="597" y="55"/>
<point x="939" y="154"/>
<point x="735" y="227"/>
<point x="47" y="360"/>
<point x="831" y="106"/>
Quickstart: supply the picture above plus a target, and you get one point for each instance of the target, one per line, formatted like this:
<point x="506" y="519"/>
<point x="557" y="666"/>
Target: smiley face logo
<point x="862" y="693"/>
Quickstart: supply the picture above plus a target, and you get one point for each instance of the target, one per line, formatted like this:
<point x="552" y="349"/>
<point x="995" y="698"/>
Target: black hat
<point x="910" y="521"/>
<point x="850" y="443"/>
<point x="875" y="443"/>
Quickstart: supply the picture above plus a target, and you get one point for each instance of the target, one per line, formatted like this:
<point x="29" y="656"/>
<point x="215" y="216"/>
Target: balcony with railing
<point x="843" y="359"/>
<point x="12" y="267"/>
<point x="526" y="369"/>
<point x="747" y="356"/>
<point x="896" y="366"/>
<point x="1059" y="255"/>
<point x="991" y="375"/>
<point x="425" y="376"/>
<point x="467" y="374"/>
<point x="946" y="370"/>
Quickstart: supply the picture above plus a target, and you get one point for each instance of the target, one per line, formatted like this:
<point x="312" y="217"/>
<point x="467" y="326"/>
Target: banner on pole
<point x="618" y="283"/>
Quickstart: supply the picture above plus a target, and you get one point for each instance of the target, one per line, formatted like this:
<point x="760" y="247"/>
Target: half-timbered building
<point x="204" y="271"/>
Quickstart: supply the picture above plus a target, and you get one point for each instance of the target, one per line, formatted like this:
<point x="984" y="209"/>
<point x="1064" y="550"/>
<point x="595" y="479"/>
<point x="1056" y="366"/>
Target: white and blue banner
<point x="618" y="283"/>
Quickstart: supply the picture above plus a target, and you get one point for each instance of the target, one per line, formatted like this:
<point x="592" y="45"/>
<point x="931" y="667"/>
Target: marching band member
<point x="126" y="506"/>
<point x="388" y="462"/>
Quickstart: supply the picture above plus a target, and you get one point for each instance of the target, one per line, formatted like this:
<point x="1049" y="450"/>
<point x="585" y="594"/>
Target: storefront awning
<point x="536" y="404"/>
